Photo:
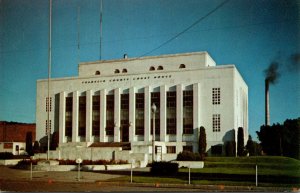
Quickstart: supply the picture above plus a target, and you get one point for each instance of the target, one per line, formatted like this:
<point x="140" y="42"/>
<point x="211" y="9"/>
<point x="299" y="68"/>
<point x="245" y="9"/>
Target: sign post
<point x="78" y="161"/>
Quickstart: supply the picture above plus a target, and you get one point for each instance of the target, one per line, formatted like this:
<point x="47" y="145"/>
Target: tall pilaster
<point x="62" y="117"/>
<point x="117" y="114"/>
<point x="132" y="91"/>
<point x="163" y="112"/>
<point x="89" y="110"/>
<point x="147" y="115"/>
<point x="102" y="115"/>
<point x="179" y="116"/>
<point x="75" y="116"/>
<point x="196" y="111"/>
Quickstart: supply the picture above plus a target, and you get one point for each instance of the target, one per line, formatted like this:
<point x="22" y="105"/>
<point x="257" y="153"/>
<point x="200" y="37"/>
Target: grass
<point x="272" y="171"/>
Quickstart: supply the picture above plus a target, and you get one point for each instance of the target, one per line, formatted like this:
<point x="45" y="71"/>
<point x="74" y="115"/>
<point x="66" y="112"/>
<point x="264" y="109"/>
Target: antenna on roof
<point x="101" y="4"/>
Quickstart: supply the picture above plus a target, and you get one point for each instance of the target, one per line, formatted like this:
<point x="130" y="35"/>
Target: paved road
<point x="51" y="181"/>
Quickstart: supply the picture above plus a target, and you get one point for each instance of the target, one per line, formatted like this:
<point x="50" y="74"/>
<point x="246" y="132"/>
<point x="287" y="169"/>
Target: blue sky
<point x="248" y="33"/>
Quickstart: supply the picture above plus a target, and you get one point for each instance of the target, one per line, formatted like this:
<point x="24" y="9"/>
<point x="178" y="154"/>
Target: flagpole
<point x="48" y="127"/>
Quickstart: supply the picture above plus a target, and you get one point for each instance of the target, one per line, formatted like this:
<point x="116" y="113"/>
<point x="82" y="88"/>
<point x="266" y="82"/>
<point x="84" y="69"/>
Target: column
<point x="89" y="110"/>
<point x="147" y="115"/>
<point x="196" y="112"/>
<point x="117" y="114"/>
<point x="62" y="117"/>
<point x="179" y="118"/>
<point x="75" y="116"/>
<point x="132" y="91"/>
<point x="102" y="115"/>
<point x="163" y="112"/>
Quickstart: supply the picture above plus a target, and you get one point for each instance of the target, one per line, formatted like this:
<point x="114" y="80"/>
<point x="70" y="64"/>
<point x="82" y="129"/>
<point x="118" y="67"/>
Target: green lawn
<point x="272" y="171"/>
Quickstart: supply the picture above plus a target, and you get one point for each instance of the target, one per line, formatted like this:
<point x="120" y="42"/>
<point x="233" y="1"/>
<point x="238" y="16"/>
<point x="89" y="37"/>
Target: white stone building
<point x="110" y="101"/>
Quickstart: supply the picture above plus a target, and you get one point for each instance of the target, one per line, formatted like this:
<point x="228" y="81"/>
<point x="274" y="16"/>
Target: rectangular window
<point x="155" y="99"/>
<point x="171" y="149"/>
<point x="68" y="118"/>
<point x="216" y="122"/>
<point x="188" y="148"/>
<point x="139" y="113"/>
<point x="48" y="127"/>
<point x="48" y="104"/>
<point x="82" y="116"/>
<point x="110" y="114"/>
<point x="171" y="112"/>
<point x="125" y="110"/>
<point x="188" y="112"/>
<point x="96" y="116"/>
<point x="216" y="96"/>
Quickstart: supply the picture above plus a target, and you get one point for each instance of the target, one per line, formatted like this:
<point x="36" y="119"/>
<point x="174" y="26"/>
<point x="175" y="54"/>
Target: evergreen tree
<point x="240" y="142"/>
<point x="202" y="142"/>
<point x="29" y="143"/>
<point x="250" y="147"/>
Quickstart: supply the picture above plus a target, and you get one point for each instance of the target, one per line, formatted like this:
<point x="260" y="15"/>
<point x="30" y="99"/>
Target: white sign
<point x="79" y="160"/>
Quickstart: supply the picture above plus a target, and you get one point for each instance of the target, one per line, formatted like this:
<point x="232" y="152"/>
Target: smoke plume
<point x="272" y="73"/>
<point x="295" y="62"/>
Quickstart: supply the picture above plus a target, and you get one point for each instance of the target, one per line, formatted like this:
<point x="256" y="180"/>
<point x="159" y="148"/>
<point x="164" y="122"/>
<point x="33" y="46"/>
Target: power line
<point x="186" y="29"/>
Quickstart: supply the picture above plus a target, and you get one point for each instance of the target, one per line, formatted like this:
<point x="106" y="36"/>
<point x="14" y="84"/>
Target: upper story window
<point x="151" y="68"/>
<point x="124" y="70"/>
<point x="117" y="71"/>
<point x="160" y="68"/>
<point x="182" y="66"/>
<point x="97" y="72"/>
<point x="216" y="96"/>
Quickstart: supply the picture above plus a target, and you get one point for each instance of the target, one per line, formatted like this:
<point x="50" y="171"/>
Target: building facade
<point x="110" y="101"/>
<point x="13" y="136"/>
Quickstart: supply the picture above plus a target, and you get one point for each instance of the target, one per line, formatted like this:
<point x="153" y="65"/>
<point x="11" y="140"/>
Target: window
<point x="216" y="96"/>
<point x="160" y="68"/>
<point x="124" y="110"/>
<point x="171" y="112"/>
<point x="109" y="114"/>
<point x="96" y="116"/>
<point x="117" y="71"/>
<point x="82" y="116"/>
<point x="216" y="123"/>
<point x="97" y="72"/>
<point x="182" y="66"/>
<point x="155" y="98"/>
<point x="68" y="118"/>
<point x="188" y="112"/>
<point x="124" y="70"/>
<point x="48" y="127"/>
<point x="48" y="104"/>
<point x="139" y="113"/>
<point x="171" y="149"/>
<point x="151" y="68"/>
<point x="188" y="148"/>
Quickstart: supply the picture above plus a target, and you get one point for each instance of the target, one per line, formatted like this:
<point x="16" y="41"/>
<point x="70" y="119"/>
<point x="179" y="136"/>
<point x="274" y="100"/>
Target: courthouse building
<point x="109" y="105"/>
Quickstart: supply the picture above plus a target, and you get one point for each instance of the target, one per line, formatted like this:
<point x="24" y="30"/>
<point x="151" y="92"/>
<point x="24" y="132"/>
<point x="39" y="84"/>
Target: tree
<point x="36" y="147"/>
<point x="281" y="139"/>
<point x="250" y="147"/>
<point x="29" y="143"/>
<point x="54" y="141"/>
<point x="202" y="142"/>
<point x="240" y="142"/>
<point x="230" y="148"/>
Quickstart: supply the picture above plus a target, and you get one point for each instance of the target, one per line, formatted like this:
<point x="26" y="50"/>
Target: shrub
<point x="189" y="156"/>
<point x="164" y="168"/>
<point x="6" y="155"/>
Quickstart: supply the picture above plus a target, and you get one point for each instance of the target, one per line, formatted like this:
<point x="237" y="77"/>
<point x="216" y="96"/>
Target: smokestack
<point x="272" y="76"/>
<point x="267" y="106"/>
